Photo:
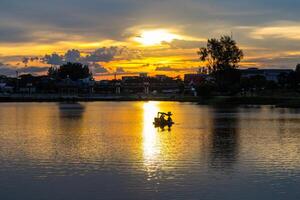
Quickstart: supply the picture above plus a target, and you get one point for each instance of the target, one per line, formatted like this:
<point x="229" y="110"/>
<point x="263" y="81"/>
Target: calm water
<point x="110" y="150"/>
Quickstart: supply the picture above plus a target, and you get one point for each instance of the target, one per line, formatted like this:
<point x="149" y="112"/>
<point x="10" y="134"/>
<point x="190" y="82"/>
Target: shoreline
<point x="288" y="102"/>
<point x="94" y="98"/>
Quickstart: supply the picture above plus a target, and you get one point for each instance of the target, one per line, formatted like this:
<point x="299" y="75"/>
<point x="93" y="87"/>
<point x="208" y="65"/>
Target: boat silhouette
<point x="160" y="120"/>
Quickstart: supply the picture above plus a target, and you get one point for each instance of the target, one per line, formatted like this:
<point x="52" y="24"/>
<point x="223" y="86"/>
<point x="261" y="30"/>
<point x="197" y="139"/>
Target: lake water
<point x="111" y="150"/>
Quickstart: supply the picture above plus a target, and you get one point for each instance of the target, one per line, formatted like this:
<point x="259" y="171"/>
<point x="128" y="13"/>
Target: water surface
<point x="111" y="150"/>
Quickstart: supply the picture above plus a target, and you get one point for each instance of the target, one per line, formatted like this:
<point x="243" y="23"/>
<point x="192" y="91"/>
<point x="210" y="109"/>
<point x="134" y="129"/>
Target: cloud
<point x="280" y="61"/>
<point x="185" y="44"/>
<point x="95" y="20"/>
<point x="167" y="69"/>
<point x="26" y="60"/>
<point x="290" y="32"/>
<point x="33" y="70"/>
<point x="104" y="54"/>
<point x="63" y="20"/>
<point x="13" y="34"/>
<point x="130" y="54"/>
<point x="72" y="56"/>
<point x="173" y="69"/>
<point x="98" y="69"/>
<point x="55" y="23"/>
<point x="8" y="70"/>
<point x="120" y="70"/>
<point x="53" y="59"/>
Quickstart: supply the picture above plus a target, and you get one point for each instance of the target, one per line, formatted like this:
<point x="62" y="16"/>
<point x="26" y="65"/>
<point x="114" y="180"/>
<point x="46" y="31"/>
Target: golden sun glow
<point x="155" y="37"/>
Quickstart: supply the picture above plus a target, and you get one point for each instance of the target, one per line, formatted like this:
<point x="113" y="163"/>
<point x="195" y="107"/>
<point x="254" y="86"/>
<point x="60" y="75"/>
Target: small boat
<point x="160" y="120"/>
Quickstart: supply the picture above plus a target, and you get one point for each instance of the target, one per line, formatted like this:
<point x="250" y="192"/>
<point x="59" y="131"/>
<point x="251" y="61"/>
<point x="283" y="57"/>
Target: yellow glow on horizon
<point x="155" y="37"/>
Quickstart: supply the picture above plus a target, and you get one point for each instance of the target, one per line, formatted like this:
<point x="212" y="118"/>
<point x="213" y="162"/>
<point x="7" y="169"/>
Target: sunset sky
<point x="154" y="36"/>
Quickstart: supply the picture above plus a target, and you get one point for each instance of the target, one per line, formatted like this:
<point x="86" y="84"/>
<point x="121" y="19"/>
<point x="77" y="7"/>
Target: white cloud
<point x="281" y="30"/>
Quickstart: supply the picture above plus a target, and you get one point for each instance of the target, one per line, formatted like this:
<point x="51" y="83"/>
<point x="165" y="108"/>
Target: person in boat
<point x="162" y="117"/>
<point x="169" y="114"/>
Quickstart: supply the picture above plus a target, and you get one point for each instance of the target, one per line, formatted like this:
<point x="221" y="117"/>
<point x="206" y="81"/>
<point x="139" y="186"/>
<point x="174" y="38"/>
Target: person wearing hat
<point x="169" y="117"/>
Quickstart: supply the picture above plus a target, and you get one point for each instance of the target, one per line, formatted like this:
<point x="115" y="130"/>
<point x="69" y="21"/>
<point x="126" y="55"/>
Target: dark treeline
<point x="69" y="75"/>
<point x="76" y="78"/>
<point x="222" y="57"/>
<point x="74" y="71"/>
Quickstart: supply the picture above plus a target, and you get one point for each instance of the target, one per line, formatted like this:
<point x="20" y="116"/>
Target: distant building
<point x="191" y="81"/>
<point x="29" y="88"/>
<point x="82" y="86"/>
<point x="161" y="77"/>
<point x="147" y="84"/>
<point x="107" y="87"/>
<point x="126" y="78"/>
<point x="194" y="79"/>
<point x="68" y="87"/>
<point x="4" y="88"/>
<point x="269" y="74"/>
<point x="133" y="84"/>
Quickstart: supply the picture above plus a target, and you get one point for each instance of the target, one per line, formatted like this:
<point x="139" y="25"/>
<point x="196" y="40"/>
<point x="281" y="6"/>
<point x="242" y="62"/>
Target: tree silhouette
<point x="221" y="54"/>
<point x="222" y="57"/>
<point x="73" y="71"/>
<point x="293" y="78"/>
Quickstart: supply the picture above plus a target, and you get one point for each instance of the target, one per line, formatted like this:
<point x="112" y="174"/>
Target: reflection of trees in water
<point x="70" y="123"/>
<point x="286" y="117"/>
<point x="71" y="110"/>
<point x="225" y="138"/>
